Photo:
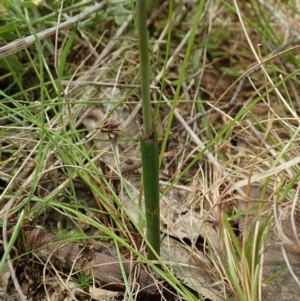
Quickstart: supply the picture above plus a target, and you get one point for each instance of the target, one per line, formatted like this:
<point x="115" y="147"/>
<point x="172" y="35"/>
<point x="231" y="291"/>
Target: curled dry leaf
<point x="99" y="294"/>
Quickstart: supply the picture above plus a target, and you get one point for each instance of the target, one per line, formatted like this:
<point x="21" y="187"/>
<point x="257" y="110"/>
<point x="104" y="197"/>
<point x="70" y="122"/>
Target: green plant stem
<point x="141" y="11"/>
<point x="149" y="148"/>
<point x="148" y="140"/>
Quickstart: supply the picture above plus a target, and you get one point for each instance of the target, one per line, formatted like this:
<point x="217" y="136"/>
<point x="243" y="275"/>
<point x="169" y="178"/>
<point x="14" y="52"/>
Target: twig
<point x="23" y="43"/>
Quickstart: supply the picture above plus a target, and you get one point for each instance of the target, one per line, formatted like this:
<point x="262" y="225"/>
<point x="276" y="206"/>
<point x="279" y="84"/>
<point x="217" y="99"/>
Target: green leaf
<point x="13" y="62"/>
<point x="119" y="1"/>
<point x="66" y="51"/>
<point x="11" y="26"/>
<point x="117" y="11"/>
<point x="28" y="4"/>
<point x="120" y="19"/>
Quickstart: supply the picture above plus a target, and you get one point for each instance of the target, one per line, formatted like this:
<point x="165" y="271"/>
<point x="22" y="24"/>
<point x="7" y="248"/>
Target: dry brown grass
<point x="232" y="210"/>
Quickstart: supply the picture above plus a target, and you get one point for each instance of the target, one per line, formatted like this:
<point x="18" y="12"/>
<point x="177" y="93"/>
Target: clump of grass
<point x="54" y="174"/>
<point x="149" y="142"/>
